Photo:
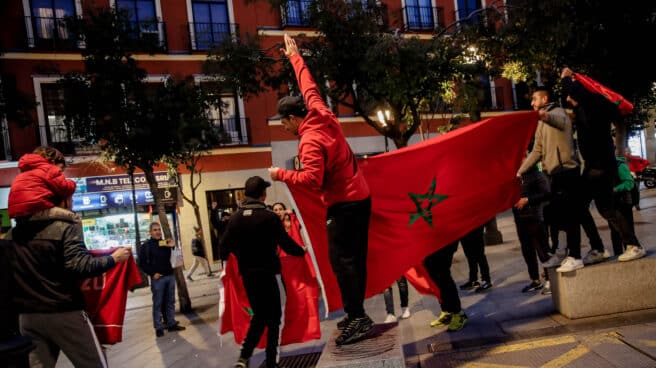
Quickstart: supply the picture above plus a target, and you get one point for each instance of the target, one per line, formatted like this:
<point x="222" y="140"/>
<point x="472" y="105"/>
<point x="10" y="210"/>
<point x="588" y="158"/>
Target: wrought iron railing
<point x="231" y="131"/>
<point x="423" y="18"/>
<point x="145" y="34"/>
<point x="62" y="137"/>
<point x="205" y="36"/>
<point x="51" y="33"/>
<point x="296" y="13"/>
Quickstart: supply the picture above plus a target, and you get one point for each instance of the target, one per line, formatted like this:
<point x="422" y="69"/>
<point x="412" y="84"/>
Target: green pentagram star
<point x="430" y="199"/>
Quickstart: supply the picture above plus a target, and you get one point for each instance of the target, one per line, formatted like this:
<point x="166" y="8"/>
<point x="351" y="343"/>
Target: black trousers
<point x="264" y="297"/>
<point x="532" y="234"/>
<point x="598" y="185"/>
<point x="627" y="211"/>
<point x="402" y="283"/>
<point x="565" y="208"/>
<point x="438" y="266"/>
<point x="473" y="244"/>
<point x="348" y="236"/>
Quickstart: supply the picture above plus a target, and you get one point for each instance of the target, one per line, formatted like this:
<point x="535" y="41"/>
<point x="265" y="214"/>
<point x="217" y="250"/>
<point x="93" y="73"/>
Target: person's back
<point x="258" y="231"/>
<point x="41" y="183"/>
<point x="50" y="258"/>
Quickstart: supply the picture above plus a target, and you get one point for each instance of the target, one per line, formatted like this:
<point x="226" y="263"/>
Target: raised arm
<point x="306" y="83"/>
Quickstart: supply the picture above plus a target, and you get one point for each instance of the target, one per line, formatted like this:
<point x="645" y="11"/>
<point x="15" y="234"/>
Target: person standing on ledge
<point x="330" y="167"/>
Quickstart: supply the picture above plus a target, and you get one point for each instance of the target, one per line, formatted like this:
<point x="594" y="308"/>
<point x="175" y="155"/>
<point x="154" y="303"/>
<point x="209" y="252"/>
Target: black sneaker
<point x="357" y="329"/>
<point x="483" y="286"/>
<point x="470" y="285"/>
<point x="176" y="327"/>
<point x="159" y="332"/>
<point x="533" y="286"/>
<point x="343" y="323"/>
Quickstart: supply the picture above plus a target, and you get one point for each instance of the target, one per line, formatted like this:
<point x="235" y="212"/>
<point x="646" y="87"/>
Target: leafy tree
<point x="134" y="123"/>
<point x="368" y="69"/>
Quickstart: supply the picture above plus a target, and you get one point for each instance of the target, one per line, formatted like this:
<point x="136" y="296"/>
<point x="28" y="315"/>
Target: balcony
<point x="61" y="137"/>
<point x="423" y="18"/>
<point x="231" y="131"/>
<point x="205" y="36"/>
<point x="145" y="35"/>
<point x="296" y="13"/>
<point x="49" y="33"/>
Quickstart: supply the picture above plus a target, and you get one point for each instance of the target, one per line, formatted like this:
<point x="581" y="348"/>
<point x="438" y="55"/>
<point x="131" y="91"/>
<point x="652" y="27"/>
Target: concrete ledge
<point x="605" y="288"/>
<point x="382" y="350"/>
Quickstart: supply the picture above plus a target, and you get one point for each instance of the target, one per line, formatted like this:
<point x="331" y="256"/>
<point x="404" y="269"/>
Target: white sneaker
<point x="553" y="261"/>
<point x="606" y="254"/>
<point x="390" y="318"/>
<point x="406" y="313"/>
<point x="570" y="264"/>
<point x="632" y="252"/>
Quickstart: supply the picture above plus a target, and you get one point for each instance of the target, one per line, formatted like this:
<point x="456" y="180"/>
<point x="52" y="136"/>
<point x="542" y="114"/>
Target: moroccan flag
<point x="426" y="196"/>
<point x="301" y="309"/>
<point x="593" y="86"/>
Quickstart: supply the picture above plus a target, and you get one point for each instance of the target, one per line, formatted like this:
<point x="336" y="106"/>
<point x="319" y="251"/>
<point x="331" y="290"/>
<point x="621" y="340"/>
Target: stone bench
<point x="605" y="288"/>
<point x="382" y="350"/>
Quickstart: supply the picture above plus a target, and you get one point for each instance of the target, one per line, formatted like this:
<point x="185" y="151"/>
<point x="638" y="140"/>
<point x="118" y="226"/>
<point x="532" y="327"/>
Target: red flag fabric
<point x="426" y="196"/>
<point x="105" y="297"/>
<point x="301" y="321"/>
<point x="592" y="85"/>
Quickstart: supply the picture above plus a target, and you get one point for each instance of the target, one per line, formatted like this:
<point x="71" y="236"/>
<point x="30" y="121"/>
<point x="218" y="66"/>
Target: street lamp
<point x="383" y="118"/>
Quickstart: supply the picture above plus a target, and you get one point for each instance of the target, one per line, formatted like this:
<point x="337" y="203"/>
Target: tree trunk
<point x="183" y="293"/>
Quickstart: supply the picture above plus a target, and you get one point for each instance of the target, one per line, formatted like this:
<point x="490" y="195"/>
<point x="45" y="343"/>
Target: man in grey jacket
<point x="48" y="259"/>
<point x="554" y="146"/>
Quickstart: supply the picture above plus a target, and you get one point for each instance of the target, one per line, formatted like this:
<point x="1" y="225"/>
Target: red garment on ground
<point x="329" y="165"/>
<point x="37" y="187"/>
<point x="106" y="295"/>
<point x="592" y="85"/>
<point x="457" y="181"/>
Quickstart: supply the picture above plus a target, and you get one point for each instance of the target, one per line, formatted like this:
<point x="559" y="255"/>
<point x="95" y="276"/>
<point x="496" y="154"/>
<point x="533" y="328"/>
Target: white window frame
<point x="190" y="20"/>
<point x="158" y="15"/>
<point x="27" y="10"/>
<point x="433" y="10"/>
<point x="198" y="78"/>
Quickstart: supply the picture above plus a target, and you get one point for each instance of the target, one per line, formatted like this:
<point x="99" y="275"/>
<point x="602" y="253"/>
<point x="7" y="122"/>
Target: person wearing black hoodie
<point x="594" y="115"/>
<point x="253" y="235"/>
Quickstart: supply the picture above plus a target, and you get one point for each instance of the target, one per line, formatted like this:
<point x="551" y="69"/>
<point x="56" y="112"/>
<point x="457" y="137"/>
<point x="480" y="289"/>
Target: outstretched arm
<point x="306" y="83"/>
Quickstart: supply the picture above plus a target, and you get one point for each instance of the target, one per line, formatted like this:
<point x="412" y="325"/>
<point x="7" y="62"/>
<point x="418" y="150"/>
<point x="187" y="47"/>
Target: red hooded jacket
<point x="329" y="165"/>
<point x="39" y="186"/>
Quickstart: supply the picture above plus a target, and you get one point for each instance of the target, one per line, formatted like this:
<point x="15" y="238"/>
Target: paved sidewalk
<point x="502" y="317"/>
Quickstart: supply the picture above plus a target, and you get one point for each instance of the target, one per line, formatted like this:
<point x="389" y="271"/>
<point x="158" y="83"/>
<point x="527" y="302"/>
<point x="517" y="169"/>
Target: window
<point x="230" y="128"/>
<point x="142" y="23"/>
<point x="419" y="14"/>
<point x="465" y="8"/>
<point x="48" y="21"/>
<point x="57" y="133"/>
<point x="296" y="13"/>
<point x="211" y="23"/>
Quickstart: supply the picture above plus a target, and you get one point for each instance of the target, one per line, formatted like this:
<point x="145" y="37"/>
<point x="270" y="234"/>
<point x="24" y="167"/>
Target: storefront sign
<point x="114" y="183"/>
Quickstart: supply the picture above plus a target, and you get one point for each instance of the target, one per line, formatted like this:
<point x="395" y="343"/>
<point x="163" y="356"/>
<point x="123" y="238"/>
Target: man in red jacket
<point x="330" y="167"/>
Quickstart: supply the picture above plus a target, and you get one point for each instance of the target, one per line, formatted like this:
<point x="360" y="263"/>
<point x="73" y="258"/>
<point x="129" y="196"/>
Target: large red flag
<point x="426" y="196"/>
<point x="592" y="85"/>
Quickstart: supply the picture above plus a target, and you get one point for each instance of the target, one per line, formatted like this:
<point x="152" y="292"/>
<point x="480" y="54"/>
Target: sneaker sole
<point x="569" y="270"/>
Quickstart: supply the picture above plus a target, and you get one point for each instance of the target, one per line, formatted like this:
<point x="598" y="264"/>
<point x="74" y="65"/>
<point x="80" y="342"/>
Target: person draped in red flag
<point x="330" y="167"/>
<point x="253" y="236"/>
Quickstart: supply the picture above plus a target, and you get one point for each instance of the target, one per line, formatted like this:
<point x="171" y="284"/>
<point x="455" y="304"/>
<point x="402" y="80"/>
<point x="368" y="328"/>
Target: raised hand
<point x="290" y="46"/>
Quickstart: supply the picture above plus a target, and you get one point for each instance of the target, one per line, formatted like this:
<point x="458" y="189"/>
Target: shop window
<point x="211" y="24"/>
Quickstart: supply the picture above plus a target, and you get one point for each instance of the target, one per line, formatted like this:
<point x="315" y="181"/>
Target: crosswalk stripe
<point x="568" y="357"/>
